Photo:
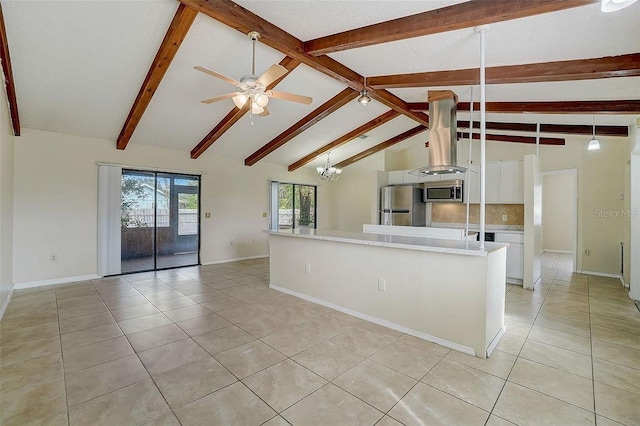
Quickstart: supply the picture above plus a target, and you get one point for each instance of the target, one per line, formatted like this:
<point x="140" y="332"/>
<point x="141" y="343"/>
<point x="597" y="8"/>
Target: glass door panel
<point x="285" y="206"/>
<point x="305" y="210"/>
<point x="137" y="218"/>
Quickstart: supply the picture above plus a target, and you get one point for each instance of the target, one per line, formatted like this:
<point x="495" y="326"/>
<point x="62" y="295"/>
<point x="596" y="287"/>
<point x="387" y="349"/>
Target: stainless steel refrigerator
<point x="401" y="205"/>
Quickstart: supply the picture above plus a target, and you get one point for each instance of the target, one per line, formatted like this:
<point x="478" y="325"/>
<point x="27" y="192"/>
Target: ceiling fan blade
<point x="218" y="75"/>
<point x="264" y="113"/>
<point x="274" y="72"/>
<point x="290" y="97"/>
<point x="219" y="98"/>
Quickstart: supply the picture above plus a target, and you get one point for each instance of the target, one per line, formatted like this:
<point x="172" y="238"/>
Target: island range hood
<point x="442" y="135"/>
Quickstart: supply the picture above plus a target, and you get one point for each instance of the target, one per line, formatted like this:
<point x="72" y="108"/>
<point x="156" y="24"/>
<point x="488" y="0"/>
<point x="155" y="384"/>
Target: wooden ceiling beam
<point x="579" y="69"/>
<point x="5" y="62"/>
<point x="455" y="17"/>
<point x="176" y="32"/>
<point x="569" y="129"/>
<point x="236" y="114"/>
<point x="550" y="107"/>
<point x="382" y="146"/>
<point x="332" y="105"/>
<point x="516" y="139"/>
<point x="378" y="121"/>
<point x="241" y="19"/>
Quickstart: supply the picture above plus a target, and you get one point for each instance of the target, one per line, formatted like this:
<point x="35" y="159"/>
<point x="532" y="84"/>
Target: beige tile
<point x="375" y="384"/>
<point x="283" y="384"/>
<point x="241" y="314"/>
<point x="174" y="303"/>
<point x="166" y="420"/>
<point x="119" y="294"/>
<point x="16" y="351"/>
<point x="223" y="339"/>
<point x="249" y="358"/>
<point x="388" y="421"/>
<point x="603" y="421"/>
<point x="29" y="319"/>
<point x="18" y="376"/>
<point x="146" y="322"/>
<point x="42" y="403"/>
<point x="527" y="407"/>
<point x="617" y="375"/>
<point x="561" y="339"/>
<point x="134" y="311"/>
<point x="424" y="345"/>
<point x="25" y="310"/>
<point x="499" y="363"/>
<point x="565" y="313"/>
<point x="90" y="335"/>
<point x="88" y="321"/>
<point x="187" y="312"/>
<point x="157" y="336"/>
<point x="170" y="356"/>
<point x="203" y="324"/>
<point x="233" y="405"/>
<point x="569" y="361"/>
<point x="517" y="328"/>
<point x="550" y="381"/>
<point x="134" y="404"/>
<point x="564" y="324"/>
<point x="87" y="356"/>
<point x="104" y="378"/>
<point x="164" y="295"/>
<point x="426" y="405"/>
<point x="185" y="384"/>
<point x="19" y="335"/>
<point x="622" y="338"/>
<point x="617" y="354"/>
<point x="262" y="327"/>
<point x="470" y="385"/>
<point x="617" y="404"/>
<point x="406" y="359"/>
<point x="125" y="302"/>
<point x="219" y="305"/>
<point x="362" y="342"/>
<point x="276" y="421"/>
<point x="79" y="301"/>
<point x="497" y="421"/>
<point x="625" y="325"/>
<point x="331" y="406"/>
<point x="510" y="344"/>
<point x="328" y="359"/>
<point x="80" y="311"/>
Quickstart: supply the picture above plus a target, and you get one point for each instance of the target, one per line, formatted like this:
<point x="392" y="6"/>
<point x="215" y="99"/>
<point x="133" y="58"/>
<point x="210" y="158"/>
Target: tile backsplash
<point x="457" y="213"/>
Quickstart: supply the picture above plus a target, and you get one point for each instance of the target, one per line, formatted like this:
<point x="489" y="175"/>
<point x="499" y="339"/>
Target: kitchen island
<point x="444" y="291"/>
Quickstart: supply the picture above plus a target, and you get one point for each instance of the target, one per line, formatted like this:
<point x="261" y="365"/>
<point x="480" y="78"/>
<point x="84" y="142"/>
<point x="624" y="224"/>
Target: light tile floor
<point x="213" y="345"/>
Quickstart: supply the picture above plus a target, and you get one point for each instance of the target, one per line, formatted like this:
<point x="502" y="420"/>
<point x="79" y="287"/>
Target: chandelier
<point x="328" y="172"/>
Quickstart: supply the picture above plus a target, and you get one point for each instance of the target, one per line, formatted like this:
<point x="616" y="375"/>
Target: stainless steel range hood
<point x="442" y="135"/>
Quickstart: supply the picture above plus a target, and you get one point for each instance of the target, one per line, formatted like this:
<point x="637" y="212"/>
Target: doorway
<point x="560" y="219"/>
<point x="160" y="220"/>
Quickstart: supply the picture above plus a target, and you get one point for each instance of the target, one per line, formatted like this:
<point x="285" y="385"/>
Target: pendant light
<point x="364" y="98"/>
<point x="594" y="145"/>
<point x="614" y="5"/>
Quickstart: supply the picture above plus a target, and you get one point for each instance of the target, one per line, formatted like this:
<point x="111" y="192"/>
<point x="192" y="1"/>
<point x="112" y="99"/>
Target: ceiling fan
<point x="254" y="88"/>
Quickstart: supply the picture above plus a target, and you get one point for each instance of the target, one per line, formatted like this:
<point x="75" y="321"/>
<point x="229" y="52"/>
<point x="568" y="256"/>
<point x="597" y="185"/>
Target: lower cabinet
<point x="515" y="255"/>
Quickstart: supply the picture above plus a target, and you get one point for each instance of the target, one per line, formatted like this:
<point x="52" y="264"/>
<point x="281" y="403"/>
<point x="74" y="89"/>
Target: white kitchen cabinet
<point x="492" y="175"/>
<point x="430" y="178"/>
<point x="396" y="177"/>
<point x="512" y="182"/>
<point x="515" y="255"/>
<point x="409" y="178"/>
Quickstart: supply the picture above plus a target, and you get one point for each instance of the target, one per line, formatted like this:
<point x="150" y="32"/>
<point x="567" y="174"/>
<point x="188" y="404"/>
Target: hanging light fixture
<point x="594" y="145"/>
<point x="328" y="172"/>
<point x="614" y="5"/>
<point x="364" y="98"/>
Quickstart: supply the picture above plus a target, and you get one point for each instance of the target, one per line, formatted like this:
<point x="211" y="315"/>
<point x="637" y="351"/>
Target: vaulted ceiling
<point x="79" y="67"/>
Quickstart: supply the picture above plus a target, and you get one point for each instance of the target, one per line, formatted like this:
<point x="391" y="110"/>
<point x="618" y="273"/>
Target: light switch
<point x="207" y="215"/>
<point x="264" y="214"/>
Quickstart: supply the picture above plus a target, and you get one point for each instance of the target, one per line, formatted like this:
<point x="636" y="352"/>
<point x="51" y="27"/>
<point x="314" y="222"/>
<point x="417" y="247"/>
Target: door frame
<point x="574" y="217"/>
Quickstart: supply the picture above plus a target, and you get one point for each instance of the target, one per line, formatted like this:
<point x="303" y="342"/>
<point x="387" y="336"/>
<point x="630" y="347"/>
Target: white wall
<point x="55" y="201"/>
<point x="6" y="199"/>
<point x="558" y="212"/>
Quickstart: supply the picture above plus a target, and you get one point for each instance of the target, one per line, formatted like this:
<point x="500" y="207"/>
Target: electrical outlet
<point x="586" y="252"/>
<point x="382" y="284"/>
<point x="504" y="217"/>
<point x="307" y="268"/>
<point x="53" y="257"/>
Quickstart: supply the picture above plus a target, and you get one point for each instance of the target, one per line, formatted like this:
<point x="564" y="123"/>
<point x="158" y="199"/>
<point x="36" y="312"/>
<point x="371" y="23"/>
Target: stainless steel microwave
<point x="446" y="191"/>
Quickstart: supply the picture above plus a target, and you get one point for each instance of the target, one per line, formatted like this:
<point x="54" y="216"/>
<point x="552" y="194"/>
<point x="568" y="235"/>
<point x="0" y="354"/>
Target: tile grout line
<point x="64" y="375"/>
<point x="593" y="373"/>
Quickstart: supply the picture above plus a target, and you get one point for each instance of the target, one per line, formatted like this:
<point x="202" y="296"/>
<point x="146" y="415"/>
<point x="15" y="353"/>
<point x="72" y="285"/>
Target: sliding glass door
<point x="160" y="220"/>
<point x="293" y="206"/>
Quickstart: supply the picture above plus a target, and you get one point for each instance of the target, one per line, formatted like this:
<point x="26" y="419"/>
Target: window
<point x="293" y="206"/>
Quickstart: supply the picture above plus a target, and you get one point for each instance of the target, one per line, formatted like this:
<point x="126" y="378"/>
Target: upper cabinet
<point x="491" y="187"/>
<point x="512" y="182"/>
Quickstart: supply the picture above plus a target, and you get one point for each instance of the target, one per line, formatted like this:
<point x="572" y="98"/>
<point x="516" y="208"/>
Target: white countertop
<point x="507" y="229"/>
<point x="467" y="248"/>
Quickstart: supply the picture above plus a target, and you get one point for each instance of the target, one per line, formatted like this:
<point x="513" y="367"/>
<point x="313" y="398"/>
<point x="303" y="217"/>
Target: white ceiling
<point x="78" y="66"/>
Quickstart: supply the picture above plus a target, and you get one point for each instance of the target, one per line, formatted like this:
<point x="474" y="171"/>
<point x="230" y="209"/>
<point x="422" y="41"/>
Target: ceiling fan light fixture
<point x="261" y="99"/>
<point x="364" y="97"/>
<point x="256" y="109"/>
<point x="240" y="99"/>
<point x="614" y="5"/>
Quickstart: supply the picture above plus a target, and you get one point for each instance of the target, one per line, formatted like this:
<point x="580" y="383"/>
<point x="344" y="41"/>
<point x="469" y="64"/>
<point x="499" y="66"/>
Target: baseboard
<point x="6" y="302"/>
<point x="452" y="345"/>
<point x="514" y="281"/>
<point x="64" y="280"/>
<point x="557" y="251"/>
<point x="234" y="260"/>
<point x="495" y="341"/>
